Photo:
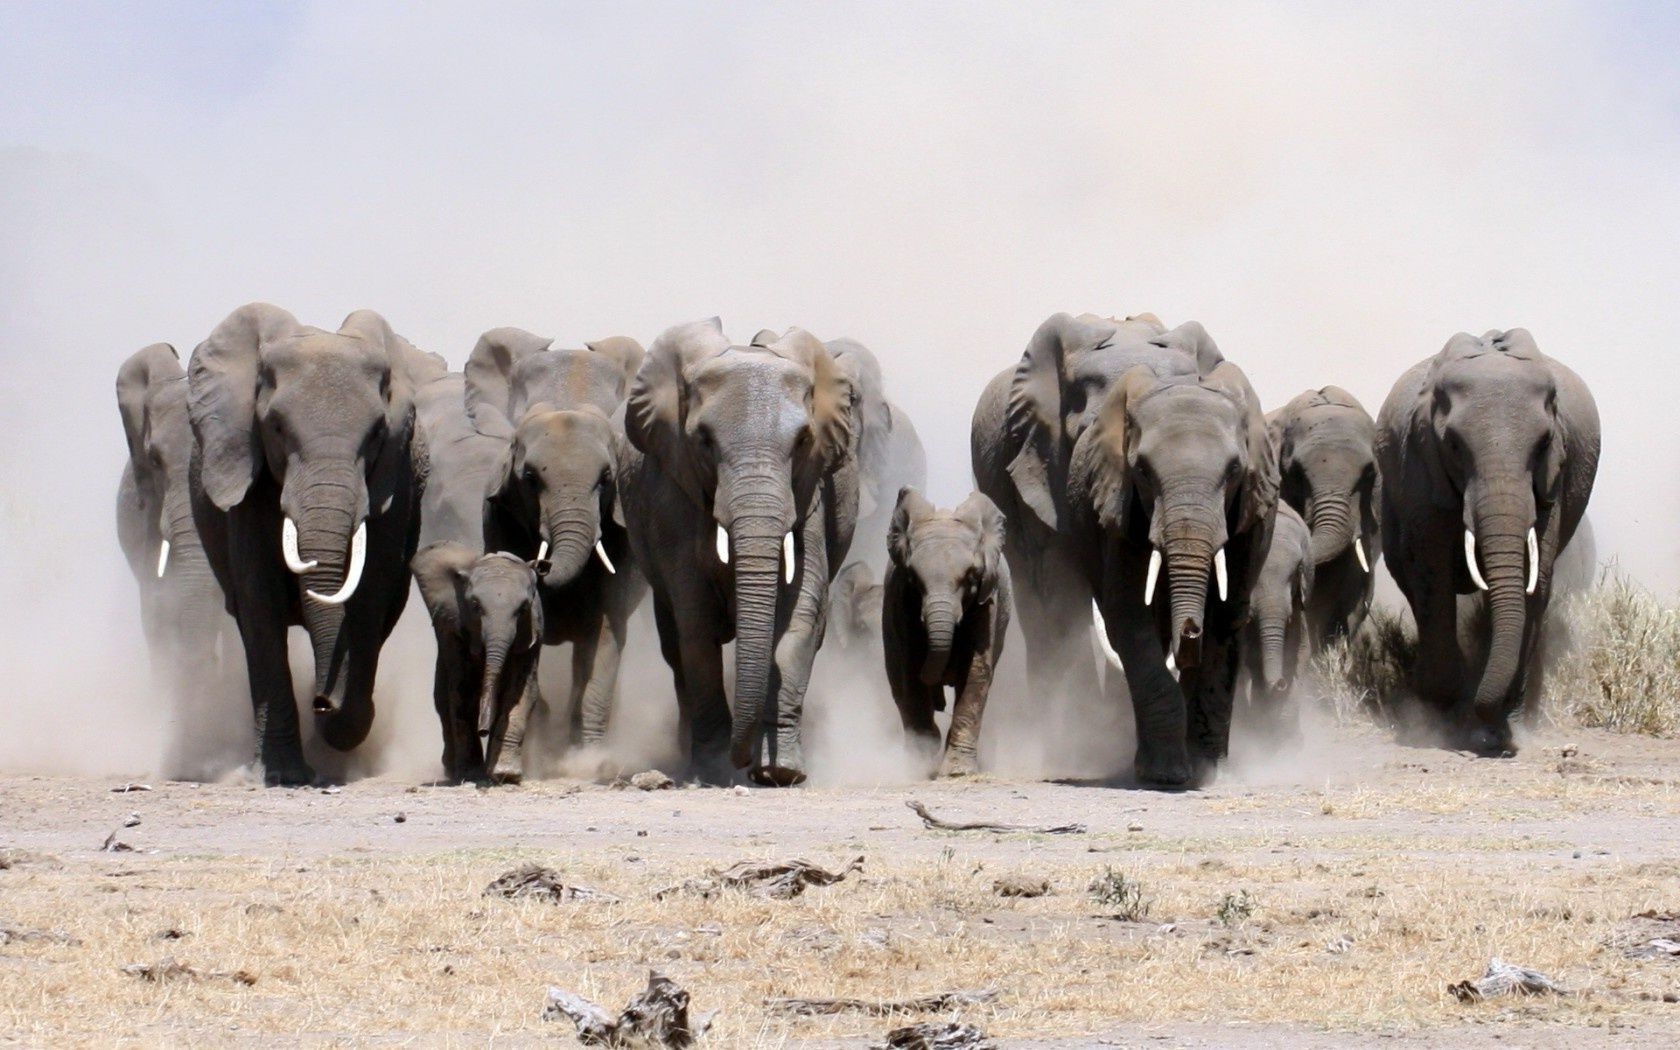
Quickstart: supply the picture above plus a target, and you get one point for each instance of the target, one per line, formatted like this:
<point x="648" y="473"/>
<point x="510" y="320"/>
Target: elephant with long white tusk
<point x="554" y="496"/>
<point x="1487" y="453"/>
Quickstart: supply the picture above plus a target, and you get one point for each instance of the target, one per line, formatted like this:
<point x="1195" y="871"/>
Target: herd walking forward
<point x="768" y="494"/>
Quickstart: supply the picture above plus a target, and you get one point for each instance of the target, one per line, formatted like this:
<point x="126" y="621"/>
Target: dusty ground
<point x="1371" y="883"/>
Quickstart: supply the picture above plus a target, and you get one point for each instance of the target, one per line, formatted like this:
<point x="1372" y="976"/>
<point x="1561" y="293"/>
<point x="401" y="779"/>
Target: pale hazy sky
<point x="1332" y="190"/>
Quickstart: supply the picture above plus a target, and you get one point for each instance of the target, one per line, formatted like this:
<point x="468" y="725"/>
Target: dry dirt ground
<point x="1297" y="909"/>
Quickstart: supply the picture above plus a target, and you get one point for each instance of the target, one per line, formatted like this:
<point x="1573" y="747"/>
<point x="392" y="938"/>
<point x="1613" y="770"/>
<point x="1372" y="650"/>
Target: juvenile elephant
<point x="1275" y="638"/>
<point x="741" y="503"/>
<point x="1023" y="434"/>
<point x="307" y="476"/>
<point x="1327" y="463"/>
<point x="488" y="619"/>
<point x="1175" y="471"/>
<point x="888" y="450"/>
<point x="1488" y="452"/>
<point x="553" y="497"/>
<point x="181" y="605"/>
<point x="944" y="612"/>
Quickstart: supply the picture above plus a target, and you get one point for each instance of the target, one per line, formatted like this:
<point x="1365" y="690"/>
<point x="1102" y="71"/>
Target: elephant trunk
<point x="939" y="616"/>
<point x="757" y="562"/>
<point x="571" y="533"/>
<point x="1331" y="520"/>
<point x="495" y="659"/>
<point x="329" y="528"/>
<point x="1272" y="631"/>
<point x="1500" y="521"/>
<point x="1192" y="533"/>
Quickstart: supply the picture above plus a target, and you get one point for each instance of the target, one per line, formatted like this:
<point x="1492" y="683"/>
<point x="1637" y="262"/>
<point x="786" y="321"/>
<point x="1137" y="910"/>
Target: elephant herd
<point x="1130" y="486"/>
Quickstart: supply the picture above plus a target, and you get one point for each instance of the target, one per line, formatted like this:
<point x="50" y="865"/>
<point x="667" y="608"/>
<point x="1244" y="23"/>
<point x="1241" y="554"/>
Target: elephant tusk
<point x="289" y="547"/>
<point x="1102" y="636"/>
<point x="353" y="575"/>
<point x="1219" y="572"/>
<point x="723" y="545"/>
<point x="787" y="557"/>
<point x="601" y="552"/>
<point x="542" y="551"/>
<point x="1533" y="560"/>
<point x="1154" y="572"/>
<point x="1172" y="665"/>
<point x="163" y="558"/>
<point x="1359" y="552"/>
<point x="1470" y="560"/>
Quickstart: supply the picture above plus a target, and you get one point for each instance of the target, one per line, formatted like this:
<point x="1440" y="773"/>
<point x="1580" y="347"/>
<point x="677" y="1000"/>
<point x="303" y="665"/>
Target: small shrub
<point x="1121" y="896"/>
<point x="1235" y="908"/>
<point x="1622" y="668"/>
<point x="1365" y="674"/>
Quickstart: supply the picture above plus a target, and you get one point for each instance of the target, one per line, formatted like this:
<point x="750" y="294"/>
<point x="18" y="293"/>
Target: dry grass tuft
<point x="1364" y="675"/>
<point x="1623" y="671"/>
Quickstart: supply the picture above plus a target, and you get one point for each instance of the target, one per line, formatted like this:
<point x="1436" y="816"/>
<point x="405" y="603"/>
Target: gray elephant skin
<point x="462" y="464"/>
<point x="854" y="608"/>
<point x="488" y="618"/>
<point x="1021" y="442"/>
<point x="307" y="476"/>
<point x="1275" y="643"/>
<point x="944" y="613"/>
<point x="741" y="500"/>
<point x="181" y="605"/>
<point x="554" y="496"/>
<point x="1172" y="492"/>
<point x="889" y="452"/>
<point x="1327" y="465"/>
<point x="1488" y="451"/>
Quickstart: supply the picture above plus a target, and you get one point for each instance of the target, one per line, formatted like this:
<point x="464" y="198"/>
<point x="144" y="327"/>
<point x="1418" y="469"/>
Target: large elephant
<point x="741" y="501"/>
<point x="462" y="463"/>
<point x="308" y="472"/>
<point x="181" y="605"/>
<point x="1327" y="461"/>
<point x="1174" y="471"/>
<point x="1488" y="452"/>
<point x="889" y="452"/>
<point x="1275" y="643"/>
<point x="1022" y="439"/>
<point x="554" y="496"/>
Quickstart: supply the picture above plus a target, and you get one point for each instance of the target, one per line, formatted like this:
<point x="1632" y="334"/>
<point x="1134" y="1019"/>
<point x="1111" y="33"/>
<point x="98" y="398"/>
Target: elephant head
<point x="875" y="416"/>
<point x="748" y="434"/>
<point x="1068" y="368"/>
<point x="554" y="491"/>
<point x="489" y="607"/>
<point x="950" y="562"/>
<point x="329" y="417"/>
<point x="152" y="398"/>
<point x="1182" y="462"/>
<point x="1279" y="595"/>
<point x="1328" y="468"/>
<point x="1494" y="443"/>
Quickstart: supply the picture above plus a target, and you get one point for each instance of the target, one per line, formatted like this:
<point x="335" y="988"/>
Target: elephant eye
<point x="530" y="475"/>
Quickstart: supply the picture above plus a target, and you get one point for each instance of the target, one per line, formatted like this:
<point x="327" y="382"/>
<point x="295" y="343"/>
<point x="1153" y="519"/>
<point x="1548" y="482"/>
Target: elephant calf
<point x="489" y="623"/>
<point x="1274" y="640"/>
<point x="944" y="611"/>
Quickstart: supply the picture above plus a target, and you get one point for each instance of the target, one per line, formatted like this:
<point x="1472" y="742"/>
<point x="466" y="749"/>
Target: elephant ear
<point x="489" y="376"/>
<point x="1104" y="452"/>
<point x="626" y="352"/>
<point x="656" y="412"/>
<point x="834" y="399"/>
<point x="1192" y="339"/>
<point x="911" y="508"/>
<point x="765" y="337"/>
<point x="409" y="368"/>
<point x="144" y="371"/>
<point x="441" y="570"/>
<point x="982" y="515"/>
<point x="1260" y="489"/>
<point x="1036" y="416"/>
<point x="222" y="381"/>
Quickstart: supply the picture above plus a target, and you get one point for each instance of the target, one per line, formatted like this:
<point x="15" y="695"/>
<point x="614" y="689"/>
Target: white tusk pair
<point x="163" y="558"/>
<point x="723" y="552"/>
<point x="1533" y="560"/>
<point x="1470" y="560"/>
<point x="289" y="547"/>
<point x="542" y="551"/>
<point x="1219" y="572"/>
<point x="353" y="575"/>
<point x="1154" y="573"/>
<point x="787" y="557"/>
<point x="1359" y="552"/>
<point x="723" y="545"/>
<point x="601" y="552"/>
<point x="1102" y="636"/>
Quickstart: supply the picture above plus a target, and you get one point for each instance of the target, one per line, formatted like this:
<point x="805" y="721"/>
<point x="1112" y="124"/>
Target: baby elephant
<point x="1274" y="643"/>
<point x="944" y="610"/>
<point x="489" y="624"/>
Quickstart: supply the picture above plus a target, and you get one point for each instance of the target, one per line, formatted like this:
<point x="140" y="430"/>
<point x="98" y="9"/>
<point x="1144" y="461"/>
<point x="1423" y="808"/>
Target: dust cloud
<point x="1333" y="192"/>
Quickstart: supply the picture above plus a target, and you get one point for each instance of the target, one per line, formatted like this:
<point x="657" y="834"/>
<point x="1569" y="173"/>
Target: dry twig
<point x="940" y="824"/>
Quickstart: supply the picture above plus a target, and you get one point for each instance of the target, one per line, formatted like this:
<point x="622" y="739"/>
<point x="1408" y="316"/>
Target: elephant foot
<point x="510" y="769"/>
<point x="780" y="762"/>
<point x="1491" y="741"/>
<point x="959" y="764"/>
<point x="776" y="776"/>
<point x="294" y="772"/>
<point x="1155" y="769"/>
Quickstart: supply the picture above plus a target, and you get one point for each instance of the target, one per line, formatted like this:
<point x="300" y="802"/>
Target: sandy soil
<point x="1283" y="908"/>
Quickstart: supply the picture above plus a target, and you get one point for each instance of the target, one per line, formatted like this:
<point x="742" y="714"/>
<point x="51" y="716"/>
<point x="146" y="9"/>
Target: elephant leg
<point x="443" y="699"/>
<point x="1529" y="690"/>
<point x="1207" y="690"/>
<point x="509" y="767"/>
<point x="262" y="601"/>
<point x="962" y="744"/>
<point x="1163" y="757"/>
<point x="1055" y="616"/>
<point x="599" y="673"/>
<point x="781" y="756"/>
